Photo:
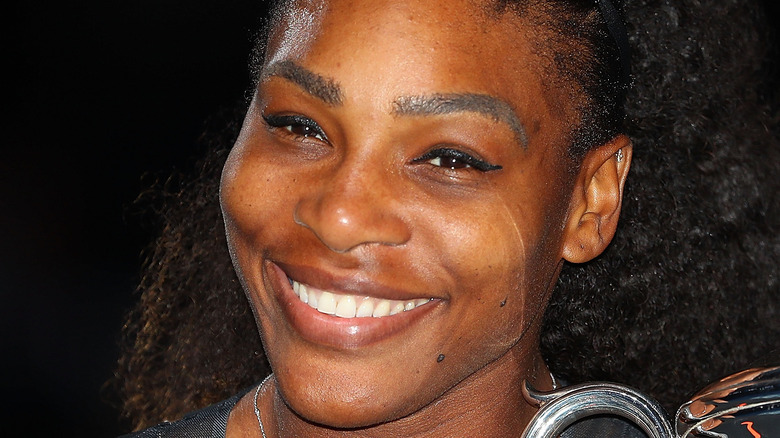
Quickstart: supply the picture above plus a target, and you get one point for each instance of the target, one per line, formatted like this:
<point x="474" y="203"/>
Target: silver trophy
<point x="745" y="404"/>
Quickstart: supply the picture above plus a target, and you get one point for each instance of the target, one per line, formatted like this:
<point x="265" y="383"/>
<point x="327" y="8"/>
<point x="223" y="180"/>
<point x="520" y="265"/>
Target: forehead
<point x="423" y="47"/>
<point x="452" y="27"/>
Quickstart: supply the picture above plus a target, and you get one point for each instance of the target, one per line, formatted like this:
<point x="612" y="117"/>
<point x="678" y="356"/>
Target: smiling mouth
<point x="352" y="306"/>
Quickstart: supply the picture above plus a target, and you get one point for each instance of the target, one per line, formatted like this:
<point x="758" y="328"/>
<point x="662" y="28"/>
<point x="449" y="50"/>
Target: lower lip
<point x="345" y="333"/>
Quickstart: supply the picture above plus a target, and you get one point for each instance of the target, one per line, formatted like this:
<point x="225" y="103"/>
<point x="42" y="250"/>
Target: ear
<point x="595" y="204"/>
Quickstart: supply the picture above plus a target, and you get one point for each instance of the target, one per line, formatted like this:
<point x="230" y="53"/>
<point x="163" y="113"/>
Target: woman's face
<point x="403" y="163"/>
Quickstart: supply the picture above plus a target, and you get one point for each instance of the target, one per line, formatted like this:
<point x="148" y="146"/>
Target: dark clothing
<point x="211" y="422"/>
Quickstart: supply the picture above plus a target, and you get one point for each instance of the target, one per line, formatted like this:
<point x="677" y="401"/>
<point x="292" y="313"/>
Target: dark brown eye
<point x="450" y="162"/>
<point x="455" y="160"/>
<point x="304" y="131"/>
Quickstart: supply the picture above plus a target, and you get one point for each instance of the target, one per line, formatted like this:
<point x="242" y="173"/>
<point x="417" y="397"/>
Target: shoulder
<point x="209" y="422"/>
<point x="604" y="426"/>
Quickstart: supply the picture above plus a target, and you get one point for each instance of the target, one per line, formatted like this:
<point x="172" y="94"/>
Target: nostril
<point x="343" y="223"/>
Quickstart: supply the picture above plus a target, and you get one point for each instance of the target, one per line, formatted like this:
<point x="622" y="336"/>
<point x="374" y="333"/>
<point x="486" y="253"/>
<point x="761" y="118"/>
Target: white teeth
<point x="327" y="303"/>
<point x="366" y="308"/>
<point x="313" y="298"/>
<point x="381" y="309"/>
<point x="346" y="307"/>
<point x="303" y="294"/>
<point x="350" y="306"/>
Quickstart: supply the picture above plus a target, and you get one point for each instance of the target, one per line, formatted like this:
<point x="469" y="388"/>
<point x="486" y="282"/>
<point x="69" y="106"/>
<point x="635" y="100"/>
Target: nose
<point x="352" y="206"/>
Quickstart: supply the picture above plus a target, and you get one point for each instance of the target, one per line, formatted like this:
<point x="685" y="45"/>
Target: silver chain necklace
<point x="257" y="410"/>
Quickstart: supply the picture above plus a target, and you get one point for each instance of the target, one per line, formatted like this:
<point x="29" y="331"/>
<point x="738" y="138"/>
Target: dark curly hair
<point x="687" y="291"/>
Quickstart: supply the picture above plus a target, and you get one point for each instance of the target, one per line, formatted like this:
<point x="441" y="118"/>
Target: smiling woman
<point x="410" y="180"/>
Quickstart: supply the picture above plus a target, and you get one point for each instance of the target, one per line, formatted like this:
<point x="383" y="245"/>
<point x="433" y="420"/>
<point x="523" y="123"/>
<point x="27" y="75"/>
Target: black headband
<point x="618" y="31"/>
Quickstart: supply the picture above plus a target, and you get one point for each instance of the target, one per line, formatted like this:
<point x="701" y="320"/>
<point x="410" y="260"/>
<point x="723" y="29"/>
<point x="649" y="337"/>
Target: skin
<point x="357" y="204"/>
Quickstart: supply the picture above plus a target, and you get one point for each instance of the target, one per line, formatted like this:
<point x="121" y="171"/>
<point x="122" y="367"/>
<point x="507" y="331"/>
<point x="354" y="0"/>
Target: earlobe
<point x="596" y="200"/>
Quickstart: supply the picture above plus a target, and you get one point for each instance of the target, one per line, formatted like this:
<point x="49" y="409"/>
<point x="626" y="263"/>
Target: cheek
<point x="484" y="255"/>
<point x="253" y="197"/>
<point x="503" y="260"/>
<point x="484" y="246"/>
<point x="252" y="193"/>
<point x="242" y="203"/>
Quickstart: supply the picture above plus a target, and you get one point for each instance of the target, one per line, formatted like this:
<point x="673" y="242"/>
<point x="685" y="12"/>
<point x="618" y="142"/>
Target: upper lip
<point x="355" y="283"/>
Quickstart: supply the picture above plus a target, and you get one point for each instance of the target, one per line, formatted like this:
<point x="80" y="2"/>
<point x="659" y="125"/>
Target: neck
<point x="487" y="403"/>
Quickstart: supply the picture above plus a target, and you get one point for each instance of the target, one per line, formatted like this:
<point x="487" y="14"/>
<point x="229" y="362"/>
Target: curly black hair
<point x="686" y="292"/>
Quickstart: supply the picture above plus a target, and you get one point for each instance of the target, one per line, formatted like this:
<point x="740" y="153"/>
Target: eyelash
<point x="289" y="123"/>
<point x="436" y="156"/>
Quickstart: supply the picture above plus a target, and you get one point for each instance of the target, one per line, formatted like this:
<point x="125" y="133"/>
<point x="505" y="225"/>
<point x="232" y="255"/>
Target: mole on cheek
<point x="503" y="303"/>
<point x="440" y="358"/>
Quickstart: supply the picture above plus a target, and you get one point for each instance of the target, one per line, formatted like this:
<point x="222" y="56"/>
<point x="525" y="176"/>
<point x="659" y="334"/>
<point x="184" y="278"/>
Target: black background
<point x="101" y="93"/>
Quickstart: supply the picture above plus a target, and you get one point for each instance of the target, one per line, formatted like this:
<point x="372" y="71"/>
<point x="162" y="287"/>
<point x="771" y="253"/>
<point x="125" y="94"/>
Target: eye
<point x="454" y="159"/>
<point x="297" y="126"/>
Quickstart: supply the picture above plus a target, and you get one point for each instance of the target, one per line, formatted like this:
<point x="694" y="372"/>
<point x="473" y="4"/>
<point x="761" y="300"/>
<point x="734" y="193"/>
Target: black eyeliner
<point x="281" y="121"/>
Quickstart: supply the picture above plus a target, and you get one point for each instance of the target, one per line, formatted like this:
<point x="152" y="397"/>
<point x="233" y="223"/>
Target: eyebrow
<point x="436" y="104"/>
<point x="329" y="91"/>
<point x="324" y="89"/>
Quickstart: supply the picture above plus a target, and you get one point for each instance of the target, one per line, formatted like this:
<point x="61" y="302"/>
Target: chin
<point x="352" y="408"/>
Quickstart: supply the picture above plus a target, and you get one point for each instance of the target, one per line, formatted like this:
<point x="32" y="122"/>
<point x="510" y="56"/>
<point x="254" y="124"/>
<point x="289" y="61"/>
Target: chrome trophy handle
<point x="560" y="408"/>
<point x="745" y="404"/>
